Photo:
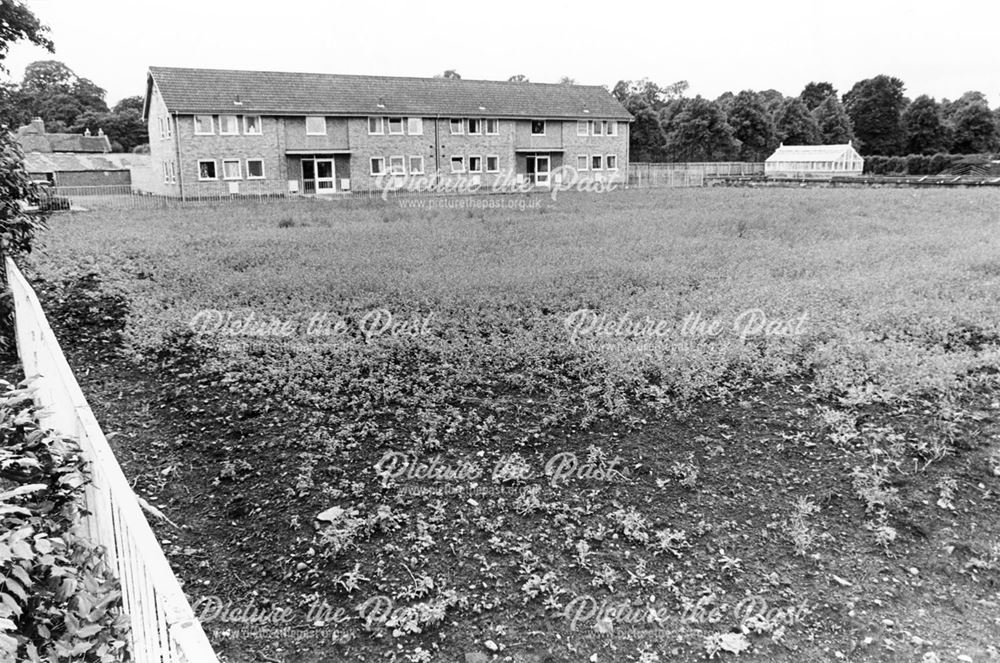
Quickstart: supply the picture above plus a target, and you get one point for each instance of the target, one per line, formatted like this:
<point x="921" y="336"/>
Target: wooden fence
<point x="163" y="626"/>
<point x="652" y="175"/>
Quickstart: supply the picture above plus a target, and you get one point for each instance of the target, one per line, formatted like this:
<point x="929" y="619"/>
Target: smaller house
<point x="817" y="161"/>
<point x="33" y="138"/>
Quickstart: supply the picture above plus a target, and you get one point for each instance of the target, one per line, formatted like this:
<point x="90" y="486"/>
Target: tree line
<point x="874" y="114"/>
<point x="70" y="103"/>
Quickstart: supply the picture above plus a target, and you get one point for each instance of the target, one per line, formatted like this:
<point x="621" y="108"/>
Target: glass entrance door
<point x="318" y="176"/>
<point x="542" y="171"/>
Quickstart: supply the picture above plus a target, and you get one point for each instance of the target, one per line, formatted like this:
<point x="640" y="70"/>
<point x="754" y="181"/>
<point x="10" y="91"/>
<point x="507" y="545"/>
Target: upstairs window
<point x="597" y="128"/>
<point x="395" y="126"/>
<point x="170" y="126"/>
<point x="456" y="125"/>
<point x="375" y="126"/>
<point x="458" y="164"/>
<point x="582" y="161"/>
<point x="582" y="128"/>
<point x="415" y="126"/>
<point x="612" y="128"/>
<point x="492" y="126"/>
<point x="416" y="165"/>
<point x="228" y="125"/>
<point x="203" y="125"/>
<point x="315" y="125"/>
<point x="251" y="125"/>
<point x="538" y="127"/>
<point x="475" y="126"/>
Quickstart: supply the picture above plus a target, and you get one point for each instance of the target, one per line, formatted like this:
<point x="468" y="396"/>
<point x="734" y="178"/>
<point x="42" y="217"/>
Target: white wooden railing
<point x="164" y="628"/>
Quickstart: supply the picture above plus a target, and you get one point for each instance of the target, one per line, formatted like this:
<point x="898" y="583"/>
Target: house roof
<point x="51" y="162"/>
<point x="792" y="153"/>
<point x="33" y="138"/>
<point x="271" y="92"/>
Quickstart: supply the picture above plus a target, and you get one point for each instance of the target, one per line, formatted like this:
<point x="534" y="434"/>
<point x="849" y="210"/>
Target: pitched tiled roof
<point x="33" y="138"/>
<point x="270" y="92"/>
<point x="38" y="162"/>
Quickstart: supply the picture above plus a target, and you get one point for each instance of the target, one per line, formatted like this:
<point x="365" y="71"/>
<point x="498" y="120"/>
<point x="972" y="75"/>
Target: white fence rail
<point x="163" y="626"/>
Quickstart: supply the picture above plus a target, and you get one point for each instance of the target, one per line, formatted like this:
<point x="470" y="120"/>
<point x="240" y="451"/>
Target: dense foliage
<point x="59" y="603"/>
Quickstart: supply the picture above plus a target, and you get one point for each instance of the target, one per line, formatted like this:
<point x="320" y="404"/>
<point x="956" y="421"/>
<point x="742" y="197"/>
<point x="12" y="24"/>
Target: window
<point x="604" y="128"/>
<point x="397" y="165"/>
<point x="170" y="126"/>
<point x="231" y="169"/>
<point x="458" y="164"/>
<point x="255" y="169"/>
<point x="375" y="126"/>
<point x="228" y="125"/>
<point x="582" y="128"/>
<point x="538" y="127"/>
<point x="315" y="125"/>
<point x="416" y="165"/>
<point x="378" y="166"/>
<point x="492" y="126"/>
<point x="475" y="126"/>
<point x="581" y="162"/>
<point x="163" y="132"/>
<point x="203" y="124"/>
<point x="166" y="173"/>
<point x="475" y="164"/>
<point x="493" y="164"/>
<point x="206" y="170"/>
<point x="415" y="126"/>
<point x="597" y="128"/>
<point x="612" y="128"/>
<point x="173" y="172"/>
<point x="611" y="162"/>
<point x="251" y="125"/>
<point x="395" y="125"/>
<point x="595" y="162"/>
<point x="456" y="125"/>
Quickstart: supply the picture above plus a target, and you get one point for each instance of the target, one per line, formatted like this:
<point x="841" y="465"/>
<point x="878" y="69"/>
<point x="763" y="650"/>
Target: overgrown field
<point x="641" y="426"/>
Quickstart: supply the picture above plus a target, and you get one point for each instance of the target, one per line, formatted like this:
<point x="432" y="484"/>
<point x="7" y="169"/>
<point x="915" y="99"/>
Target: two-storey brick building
<point x="214" y="131"/>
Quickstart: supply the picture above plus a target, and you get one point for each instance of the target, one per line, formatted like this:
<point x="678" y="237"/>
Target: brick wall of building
<point x="162" y="150"/>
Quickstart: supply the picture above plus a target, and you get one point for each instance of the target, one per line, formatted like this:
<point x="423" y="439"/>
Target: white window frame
<point x="236" y="125"/>
<point x="409" y="164"/>
<point x="461" y="126"/>
<point x="263" y="172"/>
<point x="260" y="125"/>
<point x="239" y="169"/>
<point x="531" y="127"/>
<point x="605" y="128"/>
<point x="402" y="125"/>
<point x="163" y="132"/>
<point x="607" y="159"/>
<point x="480" y="159"/>
<point x="211" y="125"/>
<point x="584" y="125"/>
<point x="486" y="163"/>
<point x="461" y="164"/>
<point x="595" y="127"/>
<point x="586" y="162"/>
<point x="479" y="126"/>
<point x="402" y="164"/>
<point x="496" y="126"/>
<point x="166" y="173"/>
<point x="173" y="172"/>
<point x="315" y="117"/>
<point x="381" y="169"/>
<point x="417" y="122"/>
<point x="381" y="125"/>
<point x="613" y="128"/>
<point x="170" y="126"/>
<point x="600" y="162"/>
<point x="215" y="167"/>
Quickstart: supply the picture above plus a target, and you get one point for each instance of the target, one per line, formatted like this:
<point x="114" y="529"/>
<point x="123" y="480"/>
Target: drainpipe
<point x="180" y="165"/>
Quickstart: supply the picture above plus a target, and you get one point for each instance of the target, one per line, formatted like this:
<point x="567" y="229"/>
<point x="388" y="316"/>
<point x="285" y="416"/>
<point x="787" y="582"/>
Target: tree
<point x="975" y="129"/>
<point x="647" y="142"/>
<point x="518" y="78"/>
<point x="813" y="94"/>
<point x="646" y="93"/>
<point x="135" y="103"/>
<point x="725" y="102"/>
<point x="752" y="126"/>
<point x="834" y="124"/>
<point x="125" y="130"/>
<point x="696" y="130"/>
<point x="875" y="106"/>
<point x="925" y="132"/>
<point x="567" y="80"/>
<point x="17" y="23"/>
<point x="52" y="91"/>
<point x="449" y="73"/>
<point x="796" y="125"/>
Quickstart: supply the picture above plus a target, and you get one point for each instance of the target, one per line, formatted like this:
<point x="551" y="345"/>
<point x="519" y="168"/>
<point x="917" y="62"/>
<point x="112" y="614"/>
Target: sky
<point x="936" y="48"/>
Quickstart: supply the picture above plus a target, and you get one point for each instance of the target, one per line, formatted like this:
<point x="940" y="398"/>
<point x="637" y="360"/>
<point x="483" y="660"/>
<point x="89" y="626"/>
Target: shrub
<point x="61" y="603"/>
